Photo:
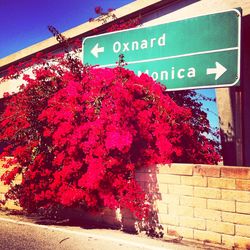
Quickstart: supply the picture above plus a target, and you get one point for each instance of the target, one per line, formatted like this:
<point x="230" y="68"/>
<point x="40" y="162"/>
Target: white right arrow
<point x="219" y="70"/>
<point x="96" y="50"/>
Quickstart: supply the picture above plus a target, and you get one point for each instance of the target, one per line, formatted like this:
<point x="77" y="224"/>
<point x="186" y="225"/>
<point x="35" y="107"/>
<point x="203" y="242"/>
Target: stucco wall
<point x="4" y="188"/>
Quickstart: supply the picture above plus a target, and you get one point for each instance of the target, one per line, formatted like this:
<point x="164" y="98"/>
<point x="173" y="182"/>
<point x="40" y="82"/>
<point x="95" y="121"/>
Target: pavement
<point x="20" y="232"/>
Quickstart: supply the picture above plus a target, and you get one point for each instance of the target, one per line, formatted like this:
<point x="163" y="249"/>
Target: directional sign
<point x="199" y="52"/>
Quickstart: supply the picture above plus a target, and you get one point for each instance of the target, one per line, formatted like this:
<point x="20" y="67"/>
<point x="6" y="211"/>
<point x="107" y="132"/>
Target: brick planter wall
<point x="201" y="202"/>
<point x="210" y="204"/>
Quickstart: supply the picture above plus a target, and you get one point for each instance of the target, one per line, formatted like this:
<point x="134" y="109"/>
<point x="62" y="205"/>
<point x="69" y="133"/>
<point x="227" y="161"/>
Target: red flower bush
<point x="79" y="133"/>
<point x="79" y="136"/>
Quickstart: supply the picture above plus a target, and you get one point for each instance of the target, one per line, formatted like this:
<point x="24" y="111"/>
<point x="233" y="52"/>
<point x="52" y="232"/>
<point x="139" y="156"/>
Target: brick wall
<point x="210" y="204"/>
<point x="200" y="202"/>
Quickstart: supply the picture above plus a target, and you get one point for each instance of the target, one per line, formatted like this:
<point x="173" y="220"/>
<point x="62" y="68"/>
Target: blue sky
<point x="212" y="106"/>
<point x="24" y="23"/>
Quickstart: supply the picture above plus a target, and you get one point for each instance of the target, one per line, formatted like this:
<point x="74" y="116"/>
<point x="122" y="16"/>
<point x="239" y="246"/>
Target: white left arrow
<point x="96" y="50"/>
<point x="219" y="70"/>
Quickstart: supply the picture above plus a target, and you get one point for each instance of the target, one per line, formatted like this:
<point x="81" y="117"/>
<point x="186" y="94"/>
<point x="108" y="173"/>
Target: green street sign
<point x="198" y="52"/>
